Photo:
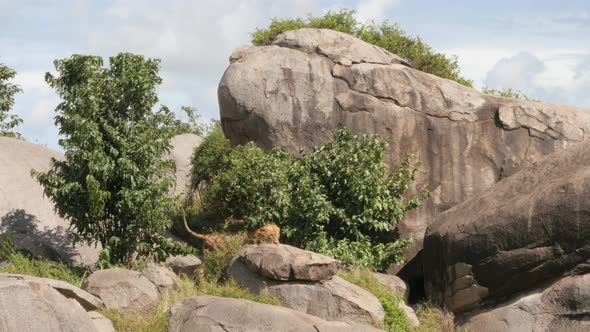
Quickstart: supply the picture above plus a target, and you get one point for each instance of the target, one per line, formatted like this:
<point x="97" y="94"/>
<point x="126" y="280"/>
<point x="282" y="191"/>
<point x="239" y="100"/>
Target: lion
<point x="269" y="233"/>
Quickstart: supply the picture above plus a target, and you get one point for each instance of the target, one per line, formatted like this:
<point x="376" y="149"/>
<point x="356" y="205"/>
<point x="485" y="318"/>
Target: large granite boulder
<point x="295" y="92"/>
<point x="26" y="213"/>
<point x="164" y="279"/>
<point x="39" y="304"/>
<point x="562" y="307"/>
<point x="182" y="152"/>
<point x="125" y="290"/>
<point x="211" y="313"/>
<point x="330" y="298"/>
<point x="529" y="229"/>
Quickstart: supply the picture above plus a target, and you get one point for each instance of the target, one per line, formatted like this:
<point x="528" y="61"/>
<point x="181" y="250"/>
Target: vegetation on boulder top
<point x="7" y="91"/>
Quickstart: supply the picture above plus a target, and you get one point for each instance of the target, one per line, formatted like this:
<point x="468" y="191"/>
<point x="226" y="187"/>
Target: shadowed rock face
<point x="295" y="92"/>
<point x="529" y="229"/>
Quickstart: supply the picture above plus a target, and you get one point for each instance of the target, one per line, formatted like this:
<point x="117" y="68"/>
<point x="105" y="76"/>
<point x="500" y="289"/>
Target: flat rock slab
<point x="29" y="306"/>
<point x="184" y="264"/>
<point x="284" y="262"/>
<point x="211" y="313"/>
<point x="85" y="299"/>
<point x="125" y="290"/>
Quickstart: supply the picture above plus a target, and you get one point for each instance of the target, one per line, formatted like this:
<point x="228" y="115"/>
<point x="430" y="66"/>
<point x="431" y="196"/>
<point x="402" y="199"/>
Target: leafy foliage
<point x="194" y="125"/>
<point x="386" y="35"/>
<point x="209" y="158"/>
<point x="508" y="93"/>
<point x="112" y="184"/>
<point x="395" y="317"/>
<point x="7" y="91"/>
<point x="340" y="199"/>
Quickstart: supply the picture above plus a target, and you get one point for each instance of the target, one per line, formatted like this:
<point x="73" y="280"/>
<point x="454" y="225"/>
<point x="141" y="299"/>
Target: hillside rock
<point x="182" y="152"/>
<point x="284" y="262"/>
<point x="125" y="290"/>
<point x="29" y="215"/>
<point x="31" y="305"/>
<point x="394" y="283"/>
<point x="295" y="92"/>
<point x="333" y="300"/>
<point x="211" y="313"/>
<point x="562" y="307"/>
<point x="529" y="229"/>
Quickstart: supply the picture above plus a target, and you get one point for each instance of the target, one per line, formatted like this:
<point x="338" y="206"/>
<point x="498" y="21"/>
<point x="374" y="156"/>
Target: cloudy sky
<point x="540" y="47"/>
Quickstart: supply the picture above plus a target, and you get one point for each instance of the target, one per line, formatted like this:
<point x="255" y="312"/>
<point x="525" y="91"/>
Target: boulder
<point x="394" y="283"/>
<point x="181" y="153"/>
<point x="563" y="306"/>
<point x="27" y="305"/>
<point x="85" y="299"/>
<point x="162" y="277"/>
<point x="101" y="323"/>
<point x="295" y="92"/>
<point x="121" y="289"/>
<point x="284" y="262"/>
<point x="26" y="213"/>
<point x="333" y="300"/>
<point x="211" y="313"/>
<point x="529" y="229"/>
<point x="187" y="264"/>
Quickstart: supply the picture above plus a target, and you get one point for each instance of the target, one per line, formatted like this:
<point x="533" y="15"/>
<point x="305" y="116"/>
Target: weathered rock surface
<point x="332" y="300"/>
<point x="85" y="299"/>
<point x="284" y="262"/>
<point x="527" y="230"/>
<point x="29" y="215"/>
<point x="101" y="323"/>
<point x="562" y="307"/>
<point x="182" y="152"/>
<point x="125" y="290"/>
<point x="187" y="264"/>
<point x="28" y="306"/>
<point x="295" y="92"/>
<point x="164" y="279"/>
<point x="211" y="313"/>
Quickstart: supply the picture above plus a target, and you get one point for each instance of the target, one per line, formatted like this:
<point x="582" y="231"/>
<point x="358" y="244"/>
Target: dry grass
<point x="434" y="319"/>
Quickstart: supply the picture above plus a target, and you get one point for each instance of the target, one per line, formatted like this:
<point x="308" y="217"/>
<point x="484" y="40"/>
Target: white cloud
<point x="375" y="10"/>
<point x="518" y="71"/>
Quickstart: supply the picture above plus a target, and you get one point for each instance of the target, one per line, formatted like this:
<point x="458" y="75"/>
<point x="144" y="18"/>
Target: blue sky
<point x="539" y="47"/>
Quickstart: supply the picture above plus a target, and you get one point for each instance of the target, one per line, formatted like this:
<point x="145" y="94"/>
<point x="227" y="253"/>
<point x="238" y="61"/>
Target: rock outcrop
<point x="184" y="264"/>
<point x="29" y="215"/>
<point x="562" y="307"/>
<point x="526" y="231"/>
<point x="295" y="92"/>
<point x="125" y="290"/>
<point x="164" y="279"/>
<point x="211" y="313"/>
<point x="38" y="304"/>
<point x="275" y="270"/>
<point x="182" y="152"/>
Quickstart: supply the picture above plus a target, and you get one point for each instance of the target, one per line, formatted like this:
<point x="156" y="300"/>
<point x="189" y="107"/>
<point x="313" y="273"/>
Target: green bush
<point x="209" y="158"/>
<point x="112" y="184"/>
<point x="339" y="199"/>
<point x="386" y="35"/>
<point x="7" y="91"/>
<point x="508" y="93"/>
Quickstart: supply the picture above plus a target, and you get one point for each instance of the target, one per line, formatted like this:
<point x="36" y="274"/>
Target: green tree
<point x="7" y="91"/>
<point x="112" y="184"/>
<point x="340" y="199"/>
<point x="386" y="35"/>
<point x="194" y="125"/>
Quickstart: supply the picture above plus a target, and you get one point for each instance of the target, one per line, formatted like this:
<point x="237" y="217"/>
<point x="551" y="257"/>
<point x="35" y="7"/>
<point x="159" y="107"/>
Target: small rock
<point x="162" y="277"/>
<point x="212" y="313"/>
<point x="411" y="315"/>
<point x="284" y="262"/>
<point x="125" y="290"/>
<point x="186" y="265"/>
<point x="394" y="283"/>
